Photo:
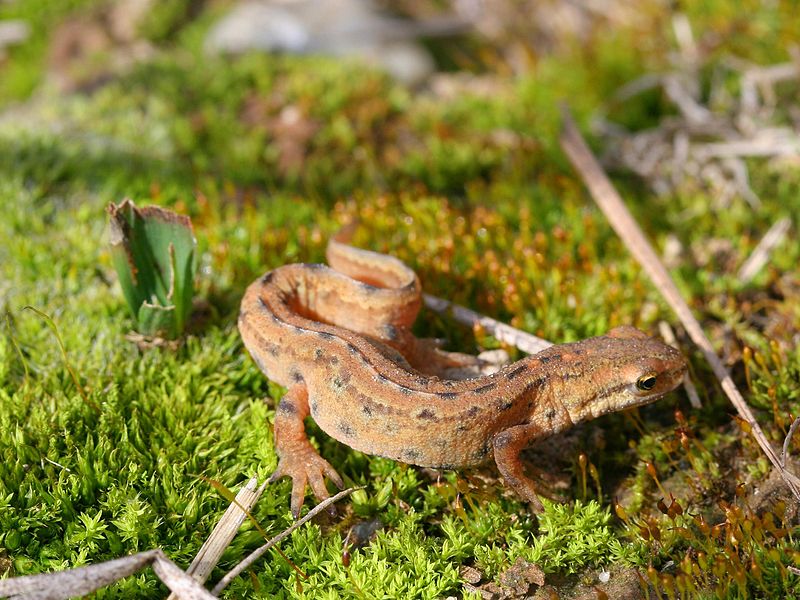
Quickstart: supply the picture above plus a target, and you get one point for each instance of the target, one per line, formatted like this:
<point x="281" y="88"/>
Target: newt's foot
<point x="526" y="490"/>
<point x="306" y="468"/>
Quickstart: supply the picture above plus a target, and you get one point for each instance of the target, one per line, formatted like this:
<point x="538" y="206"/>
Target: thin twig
<point x="505" y="333"/>
<point x="760" y="255"/>
<point x="225" y="530"/>
<point x="610" y="202"/>
<point x="787" y="442"/>
<point x="256" y="554"/>
<point x="85" y="580"/>
<point x="691" y="391"/>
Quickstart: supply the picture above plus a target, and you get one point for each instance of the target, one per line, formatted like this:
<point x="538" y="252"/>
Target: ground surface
<point x="269" y="156"/>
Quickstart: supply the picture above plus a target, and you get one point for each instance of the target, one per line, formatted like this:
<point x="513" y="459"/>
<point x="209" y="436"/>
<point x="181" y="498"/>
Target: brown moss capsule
<point x="661" y="505"/>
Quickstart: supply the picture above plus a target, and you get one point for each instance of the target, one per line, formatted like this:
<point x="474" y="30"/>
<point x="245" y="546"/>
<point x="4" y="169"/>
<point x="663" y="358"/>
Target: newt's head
<point x="619" y="370"/>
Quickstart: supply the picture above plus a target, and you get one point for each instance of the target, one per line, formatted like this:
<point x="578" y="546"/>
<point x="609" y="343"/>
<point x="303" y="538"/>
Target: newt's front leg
<point x="297" y="457"/>
<point x="507" y="446"/>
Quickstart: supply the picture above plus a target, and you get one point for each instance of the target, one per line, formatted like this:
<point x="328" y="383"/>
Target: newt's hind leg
<point x="297" y="457"/>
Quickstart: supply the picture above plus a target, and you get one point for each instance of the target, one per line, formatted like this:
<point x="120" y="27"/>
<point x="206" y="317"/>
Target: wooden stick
<point x="610" y="202"/>
<point x="209" y="554"/>
<point x="760" y="255"/>
<point x="256" y="554"/>
<point x="505" y="333"/>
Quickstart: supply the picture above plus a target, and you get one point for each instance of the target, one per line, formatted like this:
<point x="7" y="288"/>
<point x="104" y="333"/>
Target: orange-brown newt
<point x="339" y="339"/>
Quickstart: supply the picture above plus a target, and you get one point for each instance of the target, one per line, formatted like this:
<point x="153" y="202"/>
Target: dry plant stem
<point x="256" y="554"/>
<point x="760" y="256"/>
<point x="610" y="202"/>
<point x="225" y="530"/>
<point x="787" y="442"/>
<point x="504" y="333"/>
<point x="691" y="391"/>
<point x="85" y="580"/>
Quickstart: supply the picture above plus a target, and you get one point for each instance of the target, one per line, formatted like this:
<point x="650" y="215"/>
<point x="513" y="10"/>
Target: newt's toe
<point x="306" y="471"/>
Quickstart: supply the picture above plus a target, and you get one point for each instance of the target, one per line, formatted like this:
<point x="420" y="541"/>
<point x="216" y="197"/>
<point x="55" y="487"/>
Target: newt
<point x="339" y="339"/>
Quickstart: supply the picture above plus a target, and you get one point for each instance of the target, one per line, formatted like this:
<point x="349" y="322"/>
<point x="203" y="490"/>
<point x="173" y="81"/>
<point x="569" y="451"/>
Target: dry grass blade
<point x="225" y="530"/>
<point x="760" y="255"/>
<point x="505" y="333"/>
<point x="54" y="328"/>
<point x="610" y="202"/>
<point x="788" y="440"/>
<point x="85" y="580"/>
<point x="256" y="554"/>
<point x="691" y="391"/>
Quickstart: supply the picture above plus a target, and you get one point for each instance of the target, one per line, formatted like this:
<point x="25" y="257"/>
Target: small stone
<point x="470" y="574"/>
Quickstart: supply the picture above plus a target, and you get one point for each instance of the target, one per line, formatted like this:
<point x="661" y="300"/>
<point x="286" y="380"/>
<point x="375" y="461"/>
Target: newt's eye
<point x="646" y="382"/>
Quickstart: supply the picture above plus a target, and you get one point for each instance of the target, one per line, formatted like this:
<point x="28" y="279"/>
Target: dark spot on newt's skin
<point x="446" y="395"/>
<point x="546" y="359"/>
<point x="313" y="405"/>
<point x="461" y="428"/>
<point x="266" y="279"/>
<point x="410" y="455"/>
<point x="505" y="406"/>
<point x="352" y="348"/>
<point x="286" y="407"/>
<point x="334" y="360"/>
<point x="405" y="390"/>
<point x="318" y="353"/>
<point x="274" y="350"/>
<point x="485" y="388"/>
<point x="325" y="335"/>
<point x="516" y="372"/>
<point x="296" y="376"/>
<point x="345" y="428"/>
<point x="501" y="440"/>
<point x="427" y="414"/>
<point x="390" y="332"/>
<point x="366" y="410"/>
<point x="568" y="376"/>
<point x="482" y="453"/>
<point x="474" y="410"/>
<point x="535" y="385"/>
<point x="382" y="378"/>
<point x="550" y="414"/>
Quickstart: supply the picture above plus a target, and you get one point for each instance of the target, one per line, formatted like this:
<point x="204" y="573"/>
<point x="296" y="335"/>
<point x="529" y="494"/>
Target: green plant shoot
<point x="153" y="251"/>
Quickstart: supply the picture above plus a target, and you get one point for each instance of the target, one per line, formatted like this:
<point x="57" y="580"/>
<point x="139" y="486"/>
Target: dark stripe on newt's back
<point x="485" y="388"/>
<point x="518" y="371"/>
